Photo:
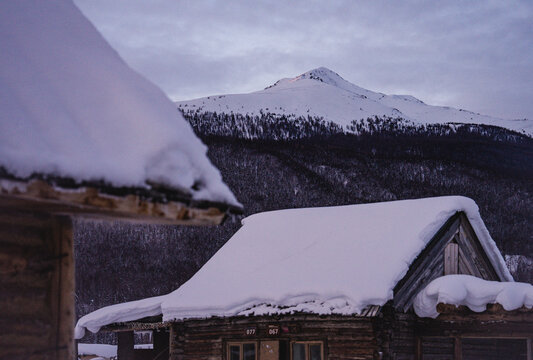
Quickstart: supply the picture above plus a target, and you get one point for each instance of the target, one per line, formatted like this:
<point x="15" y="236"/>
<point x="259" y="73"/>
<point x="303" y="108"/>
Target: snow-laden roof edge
<point x="473" y="292"/>
<point x="128" y="311"/>
<point x="488" y="244"/>
<point x="71" y="108"/>
<point x="171" y="306"/>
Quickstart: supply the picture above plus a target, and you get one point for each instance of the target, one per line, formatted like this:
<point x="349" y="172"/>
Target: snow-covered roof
<point x="332" y="260"/>
<point x="473" y="292"/>
<point x="70" y="107"/>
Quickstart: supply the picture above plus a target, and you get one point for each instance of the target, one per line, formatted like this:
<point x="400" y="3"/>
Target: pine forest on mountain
<point x="306" y="163"/>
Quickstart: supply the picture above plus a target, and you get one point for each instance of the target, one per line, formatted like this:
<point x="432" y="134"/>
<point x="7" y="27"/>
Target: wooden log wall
<point x="342" y="337"/>
<point x="493" y="334"/>
<point x="36" y="285"/>
<point x="437" y="348"/>
<point x="395" y="334"/>
<point x="494" y="349"/>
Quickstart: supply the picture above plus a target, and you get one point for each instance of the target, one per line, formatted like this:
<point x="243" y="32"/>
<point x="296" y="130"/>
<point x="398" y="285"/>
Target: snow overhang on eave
<point x="112" y="203"/>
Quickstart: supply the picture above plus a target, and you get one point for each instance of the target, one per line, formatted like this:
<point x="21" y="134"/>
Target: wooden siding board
<point x="465" y="267"/>
<point x="451" y="261"/>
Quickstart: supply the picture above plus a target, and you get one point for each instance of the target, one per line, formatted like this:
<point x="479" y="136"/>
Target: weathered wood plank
<point x="474" y="251"/>
<point x="465" y="267"/>
<point x="63" y="298"/>
<point x="451" y="259"/>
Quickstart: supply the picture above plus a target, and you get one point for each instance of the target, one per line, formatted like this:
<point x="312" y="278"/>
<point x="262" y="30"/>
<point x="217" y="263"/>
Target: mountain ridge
<point x="322" y="93"/>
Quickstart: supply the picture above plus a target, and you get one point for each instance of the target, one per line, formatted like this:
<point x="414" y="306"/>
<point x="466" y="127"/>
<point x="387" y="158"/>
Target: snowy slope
<point x="71" y="107"/>
<point x="323" y="93"/>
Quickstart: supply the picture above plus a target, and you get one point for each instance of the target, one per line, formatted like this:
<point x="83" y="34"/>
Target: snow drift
<point x="71" y="107"/>
<point x="473" y="292"/>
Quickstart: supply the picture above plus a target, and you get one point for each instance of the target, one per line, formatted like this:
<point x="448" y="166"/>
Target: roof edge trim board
<point x="488" y="266"/>
<point x="404" y="289"/>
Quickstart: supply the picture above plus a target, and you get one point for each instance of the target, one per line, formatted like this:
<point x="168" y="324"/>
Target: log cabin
<point x="81" y="134"/>
<point x="411" y="279"/>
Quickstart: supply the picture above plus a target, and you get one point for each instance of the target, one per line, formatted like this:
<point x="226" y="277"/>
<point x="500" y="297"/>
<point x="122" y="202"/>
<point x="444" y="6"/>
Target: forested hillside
<point x="121" y="262"/>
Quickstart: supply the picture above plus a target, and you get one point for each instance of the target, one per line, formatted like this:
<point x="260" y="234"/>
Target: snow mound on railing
<point x="473" y="292"/>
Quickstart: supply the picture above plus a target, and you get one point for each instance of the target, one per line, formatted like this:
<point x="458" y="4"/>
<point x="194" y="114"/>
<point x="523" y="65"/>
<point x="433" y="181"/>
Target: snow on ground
<point x="473" y="292"/>
<point x="323" y="93"/>
<point x="332" y="260"/>
<point x="70" y="106"/>
<point x="102" y="350"/>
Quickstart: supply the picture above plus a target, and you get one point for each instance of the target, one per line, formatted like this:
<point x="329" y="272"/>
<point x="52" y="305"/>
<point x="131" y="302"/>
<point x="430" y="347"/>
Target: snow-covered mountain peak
<point x="322" y="93"/>
<point x="322" y="74"/>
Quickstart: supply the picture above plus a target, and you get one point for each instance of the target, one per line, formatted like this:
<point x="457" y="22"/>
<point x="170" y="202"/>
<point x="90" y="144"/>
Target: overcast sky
<point x="475" y="55"/>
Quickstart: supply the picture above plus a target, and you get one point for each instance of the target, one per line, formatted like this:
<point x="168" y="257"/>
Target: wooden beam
<point x="40" y="196"/>
<point x="64" y="295"/>
<point x="515" y="325"/>
<point x="418" y="349"/>
<point x="457" y="348"/>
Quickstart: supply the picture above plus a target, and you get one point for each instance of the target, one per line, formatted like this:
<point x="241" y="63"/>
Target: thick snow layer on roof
<point x="473" y="292"/>
<point x="70" y="106"/>
<point x="333" y="260"/>
<point x="128" y="311"/>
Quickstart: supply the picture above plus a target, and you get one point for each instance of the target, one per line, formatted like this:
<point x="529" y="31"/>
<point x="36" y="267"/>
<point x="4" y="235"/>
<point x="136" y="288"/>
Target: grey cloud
<point x="472" y="55"/>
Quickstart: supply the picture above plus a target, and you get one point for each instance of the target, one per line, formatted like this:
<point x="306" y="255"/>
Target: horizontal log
<point x="361" y="349"/>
